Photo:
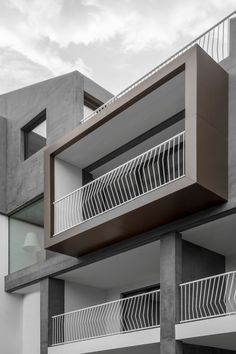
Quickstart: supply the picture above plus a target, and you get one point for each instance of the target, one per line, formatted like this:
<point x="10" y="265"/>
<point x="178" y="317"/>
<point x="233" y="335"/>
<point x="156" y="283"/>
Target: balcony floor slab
<point x="118" y="341"/>
<point x="175" y="200"/>
<point x="218" y="332"/>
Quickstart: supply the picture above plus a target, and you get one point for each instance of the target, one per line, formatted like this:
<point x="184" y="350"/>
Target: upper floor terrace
<point x="155" y="152"/>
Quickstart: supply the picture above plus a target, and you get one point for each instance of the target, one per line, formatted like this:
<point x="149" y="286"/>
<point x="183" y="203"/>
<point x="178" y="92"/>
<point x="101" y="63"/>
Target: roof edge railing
<point x="215" y="41"/>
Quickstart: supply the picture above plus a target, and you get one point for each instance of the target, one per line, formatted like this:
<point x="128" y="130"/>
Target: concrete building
<point x="118" y="212"/>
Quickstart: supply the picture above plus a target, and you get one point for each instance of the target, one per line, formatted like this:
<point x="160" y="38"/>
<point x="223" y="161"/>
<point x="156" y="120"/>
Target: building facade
<point x="118" y="212"/>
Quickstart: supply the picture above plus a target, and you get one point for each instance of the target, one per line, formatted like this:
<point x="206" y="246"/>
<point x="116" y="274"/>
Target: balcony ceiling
<point x="134" y="266"/>
<point x="226" y="341"/>
<point x="149" y="349"/>
<point x="147" y="113"/>
<point x="218" y="236"/>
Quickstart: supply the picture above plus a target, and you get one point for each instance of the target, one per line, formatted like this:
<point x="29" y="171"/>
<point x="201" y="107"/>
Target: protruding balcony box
<point x="157" y="153"/>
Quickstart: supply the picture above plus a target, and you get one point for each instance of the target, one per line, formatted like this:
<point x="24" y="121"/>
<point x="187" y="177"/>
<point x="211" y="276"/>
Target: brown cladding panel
<point x="139" y="220"/>
<point x="212" y="125"/>
<point x="205" y="183"/>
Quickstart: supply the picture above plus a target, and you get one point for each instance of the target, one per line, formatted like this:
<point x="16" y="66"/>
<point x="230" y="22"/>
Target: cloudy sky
<point x="114" y="42"/>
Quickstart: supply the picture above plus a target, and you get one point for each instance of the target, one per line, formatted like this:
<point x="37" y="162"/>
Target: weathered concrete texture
<point x="180" y="261"/>
<point x="170" y="278"/>
<point x="96" y="91"/>
<point x="62" y="97"/>
<point x="197" y="349"/>
<point x="52" y="302"/>
<point x="171" y="346"/>
<point x="3" y="163"/>
<point x="229" y="64"/>
<point x="198" y="262"/>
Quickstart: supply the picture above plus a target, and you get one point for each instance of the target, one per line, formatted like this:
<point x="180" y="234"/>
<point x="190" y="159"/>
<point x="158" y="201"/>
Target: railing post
<point x="170" y="278"/>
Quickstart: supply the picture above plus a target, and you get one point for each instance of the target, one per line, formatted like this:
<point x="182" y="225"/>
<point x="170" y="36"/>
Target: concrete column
<point x="170" y="278"/>
<point x="3" y="163"/>
<point x="51" y="304"/>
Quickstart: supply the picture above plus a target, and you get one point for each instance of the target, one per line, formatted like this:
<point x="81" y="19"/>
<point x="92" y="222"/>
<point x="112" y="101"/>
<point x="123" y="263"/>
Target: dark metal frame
<point x="91" y="101"/>
<point x="40" y="118"/>
<point x="144" y="289"/>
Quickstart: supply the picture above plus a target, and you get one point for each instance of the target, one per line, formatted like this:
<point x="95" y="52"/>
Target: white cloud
<point x="140" y="24"/>
<point x="16" y="71"/>
<point x="40" y="30"/>
<point x="24" y="35"/>
<point x="151" y="23"/>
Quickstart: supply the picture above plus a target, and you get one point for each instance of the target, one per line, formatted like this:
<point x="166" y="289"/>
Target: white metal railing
<point x="121" y="316"/>
<point x="151" y="170"/>
<point x="214" y="41"/>
<point x="209" y="297"/>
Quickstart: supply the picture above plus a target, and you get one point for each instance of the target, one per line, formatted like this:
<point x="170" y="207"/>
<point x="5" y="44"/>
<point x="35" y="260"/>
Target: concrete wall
<point x="31" y="323"/>
<point x="79" y="296"/>
<point x="115" y="293"/>
<point x="229" y="64"/>
<point x="3" y="162"/>
<point x="198" y="262"/>
<point x="62" y="97"/>
<point x="95" y="90"/>
<point x="67" y="178"/>
<point x="230" y="263"/>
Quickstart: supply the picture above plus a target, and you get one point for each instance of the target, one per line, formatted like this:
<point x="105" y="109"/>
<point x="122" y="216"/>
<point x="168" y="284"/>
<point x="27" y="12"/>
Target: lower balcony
<point x="115" y="322"/>
<point x="209" y="297"/>
<point x="208" y="312"/>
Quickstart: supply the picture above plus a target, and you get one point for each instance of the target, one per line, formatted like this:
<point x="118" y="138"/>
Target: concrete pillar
<point x="51" y="304"/>
<point x="170" y="278"/>
<point x="3" y="163"/>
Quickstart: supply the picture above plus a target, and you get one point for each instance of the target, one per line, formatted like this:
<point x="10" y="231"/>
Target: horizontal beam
<point x="60" y="264"/>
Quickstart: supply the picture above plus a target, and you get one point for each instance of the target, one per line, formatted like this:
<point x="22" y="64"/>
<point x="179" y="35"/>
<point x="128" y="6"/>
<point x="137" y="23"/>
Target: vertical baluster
<point x="185" y="296"/>
<point x="212" y="42"/>
<point x="168" y="161"/>
<point x="223" y="40"/>
<point x="217" y="45"/>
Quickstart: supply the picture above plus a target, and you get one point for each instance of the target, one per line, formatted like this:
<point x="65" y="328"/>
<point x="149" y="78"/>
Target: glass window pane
<point x="26" y="235"/>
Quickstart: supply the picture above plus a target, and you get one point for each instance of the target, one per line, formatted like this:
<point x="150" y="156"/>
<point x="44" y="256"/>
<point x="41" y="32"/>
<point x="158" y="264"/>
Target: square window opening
<point x="35" y="135"/>
<point x="90" y="104"/>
